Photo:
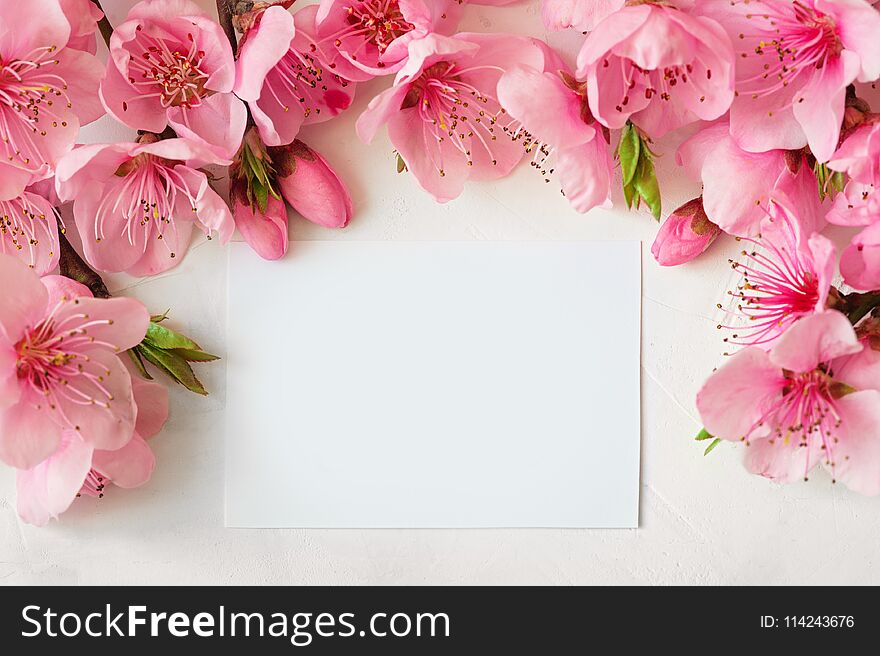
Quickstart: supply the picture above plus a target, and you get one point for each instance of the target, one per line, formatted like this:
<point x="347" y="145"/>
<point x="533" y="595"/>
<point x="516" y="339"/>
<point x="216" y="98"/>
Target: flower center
<point x="778" y="287"/>
<point x="21" y="225"/>
<point x="301" y="75"/>
<point x="378" y="22"/>
<point x="456" y="112"/>
<point x="53" y="359"/>
<point x="29" y="91"/>
<point x="94" y="485"/>
<point x="172" y="73"/>
<point x="141" y="201"/>
<point x="792" y="38"/>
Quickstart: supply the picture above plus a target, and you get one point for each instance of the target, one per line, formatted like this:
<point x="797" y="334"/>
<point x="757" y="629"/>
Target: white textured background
<point x="703" y="520"/>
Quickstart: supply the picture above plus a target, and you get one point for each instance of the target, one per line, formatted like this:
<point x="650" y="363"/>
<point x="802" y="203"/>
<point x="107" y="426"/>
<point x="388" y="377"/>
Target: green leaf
<point x="165" y="338"/>
<point x="401" y="164"/>
<point x="159" y="318"/>
<point x="139" y="363"/>
<point x="628" y="151"/>
<point x="646" y="184"/>
<point x="709" y="448"/>
<point x="629" y="195"/>
<point x="196" y="356"/>
<point x="703" y="435"/>
<point x="174" y="365"/>
<point x="261" y="194"/>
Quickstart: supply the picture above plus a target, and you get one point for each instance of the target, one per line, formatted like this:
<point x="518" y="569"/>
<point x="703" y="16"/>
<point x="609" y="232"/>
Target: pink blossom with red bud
<point x="684" y="235"/>
<point x="310" y="185"/>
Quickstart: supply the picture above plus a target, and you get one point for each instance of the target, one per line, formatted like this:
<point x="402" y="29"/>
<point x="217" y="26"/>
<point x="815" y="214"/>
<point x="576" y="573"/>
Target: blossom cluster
<point x="766" y="95"/>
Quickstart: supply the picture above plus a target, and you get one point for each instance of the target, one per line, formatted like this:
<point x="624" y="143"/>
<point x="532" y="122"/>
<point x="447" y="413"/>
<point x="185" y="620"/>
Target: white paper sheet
<point x="434" y="384"/>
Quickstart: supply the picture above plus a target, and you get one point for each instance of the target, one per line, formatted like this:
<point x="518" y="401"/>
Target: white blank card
<point x="434" y="384"/>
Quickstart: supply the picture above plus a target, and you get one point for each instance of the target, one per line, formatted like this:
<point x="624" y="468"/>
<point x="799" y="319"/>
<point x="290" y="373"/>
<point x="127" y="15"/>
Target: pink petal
<point x="10" y="391"/>
<point x="48" y="489"/>
<point x="218" y="122"/>
<point x="119" y="321"/>
<point x="860" y="370"/>
<point x="152" y="406"/>
<point x="545" y="106"/>
<point x="585" y="174"/>
<point x="821" y="112"/>
<point x="82" y="73"/>
<point x="166" y="253"/>
<point x="265" y="45"/>
<point x="212" y="212"/>
<point x="813" y="340"/>
<point x="582" y="16"/>
<point x="780" y="460"/>
<point x="857" y="25"/>
<point x="129" y="466"/>
<point x="103" y="428"/>
<point x="382" y="107"/>
<point x="25" y="27"/>
<point x="823" y="254"/>
<point x="24" y="298"/>
<point x="39" y="250"/>
<point x="86" y="164"/>
<point x="856" y="456"/>
<point x="63" y="289"/>
<point x="860" y="262"/>
<point x="114" y="252"/>
<point x="124" y="103"/>
<point x="735" y="398"/>
<point x="28" y="433"/>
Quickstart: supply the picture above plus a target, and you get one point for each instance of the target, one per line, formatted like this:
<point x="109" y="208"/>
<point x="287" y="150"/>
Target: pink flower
<point x="77" y="468"/>
<point x="658" y="65"/>
<point x="29" y="231"/>
<point x="367" y="38"/>
<point x="171" y="64"/>
<point x="798" y="405"/>
<point x="47" y="90"/>
<point x="713" y="157"/>
<point x="684" y="235"/>
<point x="794" y="62"/>
<point x="135" y="204"/>
<point x="786" y="275"/>
<point x="860" y="261"/>
<point x="859" y="205"/>
<point x="265" y="232"/>
<point x="59" y="365"/>
<point x="557" y="126"/>
<point x="310" y="185"/>
<point x="284" y="80"/>
<point x="582" y="15"/>
<point x="443" y="113"/>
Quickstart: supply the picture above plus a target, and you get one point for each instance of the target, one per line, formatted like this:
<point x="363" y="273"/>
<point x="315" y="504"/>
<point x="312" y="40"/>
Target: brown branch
<point x="74" y="267"/>
<point x="104" y="25"/>
<point x="225" y="12"/>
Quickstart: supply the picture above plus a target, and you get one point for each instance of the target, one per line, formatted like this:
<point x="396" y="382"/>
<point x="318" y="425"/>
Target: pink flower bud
<point x="684" y="235"/>
<point x="265" y="232"/>
<point x="310" y="186"/>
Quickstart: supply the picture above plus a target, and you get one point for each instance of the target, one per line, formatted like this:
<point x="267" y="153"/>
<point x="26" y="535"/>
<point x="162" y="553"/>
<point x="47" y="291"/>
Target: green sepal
<point x="174" y="365"/>
<point x="139" y="363"/>
<point x="401" y="163"/>
<point x="628" y="152"/>
<point x="637" y="168"/>
<point x="165" y="338"/>
<point x="703" y="435"/>
<point x="709" y="448"/>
